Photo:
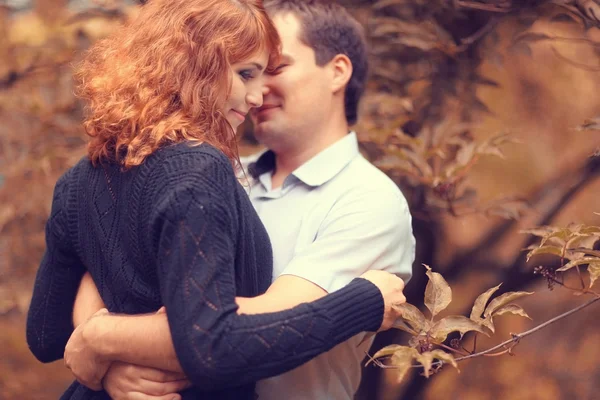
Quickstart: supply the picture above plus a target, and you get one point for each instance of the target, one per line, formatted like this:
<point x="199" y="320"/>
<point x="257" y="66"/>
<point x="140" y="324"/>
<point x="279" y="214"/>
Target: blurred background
<point x="450" y="80"/>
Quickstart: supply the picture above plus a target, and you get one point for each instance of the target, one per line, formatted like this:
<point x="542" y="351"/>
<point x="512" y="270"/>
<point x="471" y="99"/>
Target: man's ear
<point x="341" y="68"/>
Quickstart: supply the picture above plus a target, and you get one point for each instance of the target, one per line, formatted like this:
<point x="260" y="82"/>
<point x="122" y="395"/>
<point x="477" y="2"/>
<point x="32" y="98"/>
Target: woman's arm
<point x="124" y="378"/>
<point x="286" y="292"/>
<point x="49" y="320"/>
<point x="147" y="340"/>
<point x="154" y="348"/>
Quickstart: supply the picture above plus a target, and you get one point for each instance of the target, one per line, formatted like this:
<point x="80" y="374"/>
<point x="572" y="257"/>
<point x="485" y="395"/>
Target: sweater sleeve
<point x="49" y="320"/>
<point x="218" y="348"/>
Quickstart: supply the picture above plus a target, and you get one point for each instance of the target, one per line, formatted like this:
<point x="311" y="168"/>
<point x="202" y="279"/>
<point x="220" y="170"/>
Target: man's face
<point x="297" y="97"/>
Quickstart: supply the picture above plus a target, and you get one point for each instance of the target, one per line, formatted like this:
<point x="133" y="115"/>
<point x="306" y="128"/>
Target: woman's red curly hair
<point x="165" y="77"/>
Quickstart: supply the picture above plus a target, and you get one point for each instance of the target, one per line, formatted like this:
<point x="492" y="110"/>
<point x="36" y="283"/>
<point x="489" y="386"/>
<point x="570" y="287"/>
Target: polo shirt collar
<point x="329" y="162"/>
<point x="319" y="169"/>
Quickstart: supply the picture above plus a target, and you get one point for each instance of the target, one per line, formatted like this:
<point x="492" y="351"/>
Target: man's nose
<point x="266" y="89"/>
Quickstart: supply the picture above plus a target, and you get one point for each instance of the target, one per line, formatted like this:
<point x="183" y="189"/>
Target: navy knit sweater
<point x="180" y="231"/>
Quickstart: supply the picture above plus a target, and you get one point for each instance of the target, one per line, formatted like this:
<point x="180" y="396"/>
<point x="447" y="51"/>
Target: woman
<point x="157" y="217"/>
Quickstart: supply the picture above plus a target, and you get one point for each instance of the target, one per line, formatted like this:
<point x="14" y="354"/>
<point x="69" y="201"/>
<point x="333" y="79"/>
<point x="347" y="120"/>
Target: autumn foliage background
<point x="448" y="78"/>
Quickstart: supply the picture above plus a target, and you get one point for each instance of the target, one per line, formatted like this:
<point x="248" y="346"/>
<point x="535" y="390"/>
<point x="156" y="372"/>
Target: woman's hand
<point x="392" y="290"/>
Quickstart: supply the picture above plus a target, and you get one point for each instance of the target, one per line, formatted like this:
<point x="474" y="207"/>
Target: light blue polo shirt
<point x="333" y="218"/>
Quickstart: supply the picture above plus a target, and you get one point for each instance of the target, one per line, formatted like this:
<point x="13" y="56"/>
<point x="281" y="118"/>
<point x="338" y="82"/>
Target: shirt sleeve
<point x="217" y="347"/>
<point x="364" y="230"/>
<point x="49" y="320"/>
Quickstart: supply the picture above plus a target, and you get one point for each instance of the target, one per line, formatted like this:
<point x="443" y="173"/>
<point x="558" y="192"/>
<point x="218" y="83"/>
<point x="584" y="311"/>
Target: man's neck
<point x="288" y="161"/>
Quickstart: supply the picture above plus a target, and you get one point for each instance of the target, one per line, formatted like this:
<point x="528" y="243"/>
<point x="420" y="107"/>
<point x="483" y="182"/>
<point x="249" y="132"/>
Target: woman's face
<point x="246" y="87"/>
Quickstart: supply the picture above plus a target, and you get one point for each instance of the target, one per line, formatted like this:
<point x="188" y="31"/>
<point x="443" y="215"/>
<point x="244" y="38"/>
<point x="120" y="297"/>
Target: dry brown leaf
<point x="402" y="360"/>
<point x="594" y="271"/>
<point x="581" y="261"/>
<point x="481" y="302"/>
<point x="437" y="293"/>
<point x="414" y="317"/>
<point x="512" y="309"/>
<point x="503" y="300"/>
<point x="454" y="323"/>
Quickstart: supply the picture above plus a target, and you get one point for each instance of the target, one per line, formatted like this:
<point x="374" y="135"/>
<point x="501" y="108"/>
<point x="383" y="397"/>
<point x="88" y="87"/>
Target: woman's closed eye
<point x="246" y="74"/>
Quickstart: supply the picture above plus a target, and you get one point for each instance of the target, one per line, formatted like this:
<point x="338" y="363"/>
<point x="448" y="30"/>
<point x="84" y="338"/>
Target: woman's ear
<point x="341" y="68"/>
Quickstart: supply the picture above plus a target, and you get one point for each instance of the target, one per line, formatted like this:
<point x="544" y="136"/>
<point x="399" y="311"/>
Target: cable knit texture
<point x="180" y="231"/>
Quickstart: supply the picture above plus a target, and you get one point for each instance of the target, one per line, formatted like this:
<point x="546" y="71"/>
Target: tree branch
<point x="517" y="337"/>
<point x="514" y="340"/>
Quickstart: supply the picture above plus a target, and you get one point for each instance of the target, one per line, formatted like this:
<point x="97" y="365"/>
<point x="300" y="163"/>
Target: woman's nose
<point x="255" y="99"/>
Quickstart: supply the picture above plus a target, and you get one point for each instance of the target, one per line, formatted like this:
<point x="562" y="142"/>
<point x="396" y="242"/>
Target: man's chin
<point x="263" y="128"/>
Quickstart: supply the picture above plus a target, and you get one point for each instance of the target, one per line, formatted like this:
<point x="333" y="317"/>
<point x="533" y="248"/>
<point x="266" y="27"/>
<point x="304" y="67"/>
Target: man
<point x="329" y="213"/>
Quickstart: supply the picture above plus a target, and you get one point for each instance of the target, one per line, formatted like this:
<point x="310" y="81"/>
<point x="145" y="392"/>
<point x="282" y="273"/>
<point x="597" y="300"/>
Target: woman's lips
<point x="238" y="114"/>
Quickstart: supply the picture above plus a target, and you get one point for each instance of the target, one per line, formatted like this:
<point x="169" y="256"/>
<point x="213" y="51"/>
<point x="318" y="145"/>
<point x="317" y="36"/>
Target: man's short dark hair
<point x="329" y="29"/>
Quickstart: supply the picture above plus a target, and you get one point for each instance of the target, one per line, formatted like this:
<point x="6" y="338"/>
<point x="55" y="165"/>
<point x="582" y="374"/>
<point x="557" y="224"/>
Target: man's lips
<point x="264" y="108"/>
